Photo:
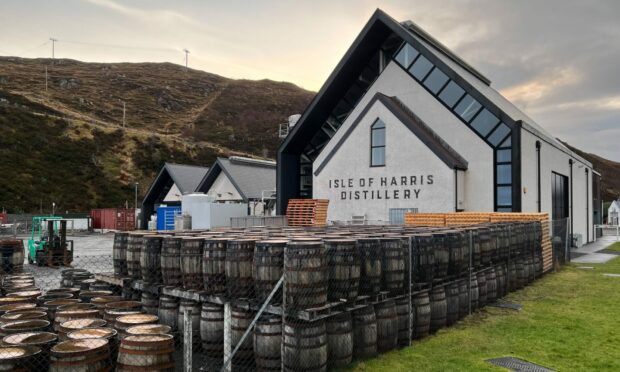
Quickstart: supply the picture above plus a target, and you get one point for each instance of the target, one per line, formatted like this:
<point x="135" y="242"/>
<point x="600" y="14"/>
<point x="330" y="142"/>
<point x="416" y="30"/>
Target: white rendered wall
<point x="223" y="189"/>
<point x="173" y="195"/>
<point x="393" y="81"/>
<point x="363" y="192"/>
<point x="555" y="160"/>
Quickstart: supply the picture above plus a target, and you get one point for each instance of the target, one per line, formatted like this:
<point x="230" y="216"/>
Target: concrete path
<point x="590" y="254"/>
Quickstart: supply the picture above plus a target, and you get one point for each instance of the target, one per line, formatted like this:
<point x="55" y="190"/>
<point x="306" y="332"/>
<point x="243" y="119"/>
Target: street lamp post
<point x="53" y="207"/>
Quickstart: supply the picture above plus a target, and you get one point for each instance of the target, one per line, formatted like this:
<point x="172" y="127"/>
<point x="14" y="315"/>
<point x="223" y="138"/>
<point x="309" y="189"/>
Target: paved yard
<point x="92" y="252"/>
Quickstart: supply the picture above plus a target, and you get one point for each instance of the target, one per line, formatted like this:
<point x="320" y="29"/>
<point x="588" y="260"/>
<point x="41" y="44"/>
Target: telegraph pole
<point x="186" y="55"/>
<point x="53" y="45"/>
<point x="45" y="79"/>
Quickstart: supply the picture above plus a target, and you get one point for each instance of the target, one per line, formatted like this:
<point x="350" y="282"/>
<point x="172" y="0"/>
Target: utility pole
<point x="186" y="55"/>
<point x="135" y="205"/>
<point x="53" y="45"/>
<point x="45" y="79"/>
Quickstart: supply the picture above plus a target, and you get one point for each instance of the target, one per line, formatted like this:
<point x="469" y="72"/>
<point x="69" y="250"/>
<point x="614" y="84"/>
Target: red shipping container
<point x="4" y="218"/>
<point x="114" y="219"/>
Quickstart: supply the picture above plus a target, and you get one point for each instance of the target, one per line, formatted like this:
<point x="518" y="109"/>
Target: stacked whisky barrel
<point x="350" y="291"/>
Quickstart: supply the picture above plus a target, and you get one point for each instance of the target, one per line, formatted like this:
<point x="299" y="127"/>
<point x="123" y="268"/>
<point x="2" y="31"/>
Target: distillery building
<point x="403" y="123"/>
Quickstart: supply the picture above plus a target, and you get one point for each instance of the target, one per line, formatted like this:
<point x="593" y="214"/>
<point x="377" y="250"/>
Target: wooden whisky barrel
<point x="387" y="325"/>
<point x="370" y="260"/>
<point x="344" y="269"/>
<point x="212" y="329"/>
<point x="171" y="260"/>
<point x="81" y="355"/>
<point x="393" y="264"/>
<point x="491" y="279"/>
<point x="214" y="265"/>
<point x="452" y="302"/>
<point x="150" y="259"/>
<point x="267" y="267"/>
<point x="439" y="308"/>
<point x="146" y="353"/>
<point x="364" y="332"/>
<point x="306" y="274"/>
<point x="134" y="246"/>
<point x="405" y="320"/>
<point x="305" y="346"/>
<point x="482" y="289"/>
<point x="339" y="340"/>
<point x="463" y="298"/>
<point x="168" y="311"/>
<point x="119" y="253"/>
<point x="421" y="314"/>
<point x="238" y="265"/>
<point x="240" y="322"/>
<point x="267" y="343"/>
<point x="191" y="262"/>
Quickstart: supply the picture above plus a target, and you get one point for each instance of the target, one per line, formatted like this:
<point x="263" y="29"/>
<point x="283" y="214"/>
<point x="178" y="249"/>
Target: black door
<point x="559" y="196"/>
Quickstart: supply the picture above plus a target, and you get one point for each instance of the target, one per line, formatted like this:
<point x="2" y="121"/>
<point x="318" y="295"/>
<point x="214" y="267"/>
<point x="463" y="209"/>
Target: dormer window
<point x="377" y="144"/>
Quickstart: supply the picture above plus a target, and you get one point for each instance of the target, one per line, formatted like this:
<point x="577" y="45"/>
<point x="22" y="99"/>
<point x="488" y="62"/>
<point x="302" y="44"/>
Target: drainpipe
<point x="570" y="164"/>
<point x="538" y="170"/>
<point x="587" y="205"/>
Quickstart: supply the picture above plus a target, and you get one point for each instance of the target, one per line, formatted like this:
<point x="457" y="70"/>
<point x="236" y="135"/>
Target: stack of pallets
<point x="307" y="212"/>
<point x="425" y="219"/>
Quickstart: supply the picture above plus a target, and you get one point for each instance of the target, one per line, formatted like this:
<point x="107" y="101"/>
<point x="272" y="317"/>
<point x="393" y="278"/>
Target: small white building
<point x="242" y="180"/>
<point x="404" y="123"/>
<point x="613" y="213"/>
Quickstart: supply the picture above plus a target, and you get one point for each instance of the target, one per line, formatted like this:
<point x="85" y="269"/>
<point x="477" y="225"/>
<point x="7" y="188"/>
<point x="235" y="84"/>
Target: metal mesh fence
<point x="260" y="298"/>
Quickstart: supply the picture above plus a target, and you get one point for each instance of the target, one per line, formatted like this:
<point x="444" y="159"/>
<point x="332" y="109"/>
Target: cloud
<point x="160" y="16"/>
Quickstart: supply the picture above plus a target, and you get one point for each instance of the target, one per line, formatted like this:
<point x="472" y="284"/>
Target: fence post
<point x="471" y="244"/>
<point x="187" y="341"/>
<point x="284" y="276"/>
<point x="409" y="263"/>
<point x="227" y="336"/>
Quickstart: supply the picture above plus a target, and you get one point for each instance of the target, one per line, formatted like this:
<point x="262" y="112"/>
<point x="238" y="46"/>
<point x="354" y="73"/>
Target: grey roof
<point x="483" y="85"/>
<point x="250" y="176"/>
<point x="186" y="177"/>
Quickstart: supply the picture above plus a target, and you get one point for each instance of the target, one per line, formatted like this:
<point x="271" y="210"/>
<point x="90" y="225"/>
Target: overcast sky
<point x="557" y="60"/>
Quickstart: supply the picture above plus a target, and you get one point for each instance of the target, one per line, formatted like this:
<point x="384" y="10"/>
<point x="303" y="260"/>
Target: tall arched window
<point x="377" y="144"/>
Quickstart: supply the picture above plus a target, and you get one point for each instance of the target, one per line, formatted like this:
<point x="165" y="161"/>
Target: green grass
<point x="569" y="322"/>
<point x="614" y="247"/>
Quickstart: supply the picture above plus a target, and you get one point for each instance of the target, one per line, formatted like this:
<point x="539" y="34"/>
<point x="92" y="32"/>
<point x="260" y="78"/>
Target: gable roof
<point x="616" y="204"/>
<point x="431" y="139"/>
<point x="368" y="41"/>
<point x="249" y="176"/>
<point x="185" y="177"/>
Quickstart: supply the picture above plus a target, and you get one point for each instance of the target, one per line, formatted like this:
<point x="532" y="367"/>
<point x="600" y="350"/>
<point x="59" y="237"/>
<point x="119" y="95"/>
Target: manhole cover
<point x="507" y="305"/>
<point x="520" y="365"/>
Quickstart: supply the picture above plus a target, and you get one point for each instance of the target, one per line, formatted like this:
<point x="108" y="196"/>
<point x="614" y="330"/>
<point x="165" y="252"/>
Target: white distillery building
<point x="404" y="123"/>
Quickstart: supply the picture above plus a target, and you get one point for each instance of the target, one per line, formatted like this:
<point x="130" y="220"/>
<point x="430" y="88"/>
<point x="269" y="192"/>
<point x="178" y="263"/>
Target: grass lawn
<point x="614" y="247"/>
<point x="569" y="322"/>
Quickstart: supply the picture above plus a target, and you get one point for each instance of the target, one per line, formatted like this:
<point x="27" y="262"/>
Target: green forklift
<point x="49" y="247"/>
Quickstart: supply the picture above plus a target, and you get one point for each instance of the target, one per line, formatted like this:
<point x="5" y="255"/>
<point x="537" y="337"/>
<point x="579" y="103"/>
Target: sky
<point x="558" y="60"/>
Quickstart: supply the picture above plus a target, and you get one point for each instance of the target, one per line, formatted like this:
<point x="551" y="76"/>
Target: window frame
<point x="373" y="146"/>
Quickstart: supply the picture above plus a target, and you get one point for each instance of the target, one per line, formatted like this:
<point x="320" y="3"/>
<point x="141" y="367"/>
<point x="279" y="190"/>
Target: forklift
<point x="50" y="247"/>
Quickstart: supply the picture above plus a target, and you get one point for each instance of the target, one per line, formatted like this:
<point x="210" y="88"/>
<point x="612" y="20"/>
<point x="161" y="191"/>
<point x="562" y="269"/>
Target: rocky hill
<point x="609" y="170"/>
<point x="66" y="144"/>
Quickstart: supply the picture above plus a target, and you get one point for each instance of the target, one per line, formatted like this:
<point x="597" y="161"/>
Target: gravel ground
<point x="92" y="252"/>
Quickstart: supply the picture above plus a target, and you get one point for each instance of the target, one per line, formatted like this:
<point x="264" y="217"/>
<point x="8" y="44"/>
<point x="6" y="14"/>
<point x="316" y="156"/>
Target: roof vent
<point x="240" y="159"/>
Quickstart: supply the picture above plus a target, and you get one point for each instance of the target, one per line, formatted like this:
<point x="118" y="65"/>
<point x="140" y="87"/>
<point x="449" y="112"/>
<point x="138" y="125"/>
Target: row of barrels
<point x="68" y="329"/>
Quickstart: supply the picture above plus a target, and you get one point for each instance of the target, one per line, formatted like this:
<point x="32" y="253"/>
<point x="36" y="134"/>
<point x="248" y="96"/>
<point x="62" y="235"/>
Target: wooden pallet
<point x="307" y="212"/>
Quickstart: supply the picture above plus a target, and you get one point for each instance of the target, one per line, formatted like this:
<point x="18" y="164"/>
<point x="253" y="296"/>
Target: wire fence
<point x="260" y="298"/>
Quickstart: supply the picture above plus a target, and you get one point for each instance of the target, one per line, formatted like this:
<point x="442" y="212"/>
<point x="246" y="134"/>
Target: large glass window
<point x="484" y="122"/>
<point x="451" y="94"/>
<point x="504" y="195"/>
<point x="406" y="55"/>
<point x="504" y="174"/>
<point x="467" y="108"/>
<point x="377" y="144"/>
<point x="498" y="134"/>
<point x="436" y="80"/>
<point x="420" y="68"/>
<point x="504" y="156"/>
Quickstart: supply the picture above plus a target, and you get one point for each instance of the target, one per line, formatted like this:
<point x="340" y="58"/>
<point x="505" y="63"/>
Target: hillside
<point x="609" y="170"/>
<point x="67" y="145"/>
